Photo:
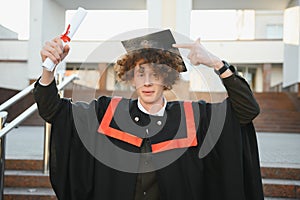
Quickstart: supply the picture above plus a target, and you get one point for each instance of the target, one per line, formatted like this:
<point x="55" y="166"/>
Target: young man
<point x="148" y="148"/>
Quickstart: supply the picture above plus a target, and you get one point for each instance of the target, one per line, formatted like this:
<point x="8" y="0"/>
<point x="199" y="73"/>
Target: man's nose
<point x="147" y="81"/>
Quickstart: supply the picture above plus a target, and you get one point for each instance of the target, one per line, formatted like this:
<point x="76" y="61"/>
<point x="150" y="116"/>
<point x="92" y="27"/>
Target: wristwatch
<point x="224" y="68"/>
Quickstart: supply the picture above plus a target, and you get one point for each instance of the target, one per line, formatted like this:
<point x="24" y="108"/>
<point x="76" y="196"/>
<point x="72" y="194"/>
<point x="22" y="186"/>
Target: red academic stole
<point x="189" y="141"/>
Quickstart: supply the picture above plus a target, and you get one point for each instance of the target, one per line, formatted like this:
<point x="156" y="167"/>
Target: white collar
<point x="159" y="113"/>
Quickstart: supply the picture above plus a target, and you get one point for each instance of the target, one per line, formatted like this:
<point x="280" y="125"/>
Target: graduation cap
<point x="159" y="41"/>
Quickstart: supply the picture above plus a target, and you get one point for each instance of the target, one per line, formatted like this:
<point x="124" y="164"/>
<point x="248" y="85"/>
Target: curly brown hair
<point x="168" y="64"/>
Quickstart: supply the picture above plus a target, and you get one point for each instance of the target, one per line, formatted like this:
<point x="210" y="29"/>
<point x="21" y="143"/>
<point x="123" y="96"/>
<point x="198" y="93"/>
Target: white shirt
<point x="159" y="113"/>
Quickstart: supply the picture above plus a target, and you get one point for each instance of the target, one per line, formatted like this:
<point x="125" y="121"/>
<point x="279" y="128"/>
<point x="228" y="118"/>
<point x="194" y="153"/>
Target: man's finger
<point x="66" y="49"/>
<point x="58" y="41"/>
<point x="184" y="46"/>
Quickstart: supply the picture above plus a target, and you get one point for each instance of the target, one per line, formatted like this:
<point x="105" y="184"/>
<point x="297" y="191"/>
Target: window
<point x="274" y="31"/>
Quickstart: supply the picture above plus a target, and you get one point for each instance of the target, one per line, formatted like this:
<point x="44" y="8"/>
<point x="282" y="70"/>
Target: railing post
<point x="47" y="131"/>
<point x="3" y="116"/>
<point x="59" y="80"/>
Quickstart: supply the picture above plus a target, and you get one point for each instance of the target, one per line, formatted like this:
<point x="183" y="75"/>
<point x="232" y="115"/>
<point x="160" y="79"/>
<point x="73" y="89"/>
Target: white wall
<point x="93" y="52"/>
<point x="233" y="51"/>
<point x="13" y="75"/>
<point x="13" y="50"/>
<point x="248" y="51"/>
<point x="47" y="20"/>
<point x="259" y="80"/>
<point x="277" y="75"/>
<point x="291" y="68"/>
<point x="6" y="33"/>
<point x="263" y="18"/>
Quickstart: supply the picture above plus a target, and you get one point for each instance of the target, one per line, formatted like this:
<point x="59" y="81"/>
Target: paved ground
<point x="280" y="149"/>
<point x="25" y="142"/>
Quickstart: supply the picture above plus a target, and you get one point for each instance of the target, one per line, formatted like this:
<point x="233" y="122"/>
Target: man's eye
<point x="156" y="76"/>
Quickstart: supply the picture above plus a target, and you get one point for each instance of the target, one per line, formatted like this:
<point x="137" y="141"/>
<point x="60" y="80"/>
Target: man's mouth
<point x="147" y="92"/>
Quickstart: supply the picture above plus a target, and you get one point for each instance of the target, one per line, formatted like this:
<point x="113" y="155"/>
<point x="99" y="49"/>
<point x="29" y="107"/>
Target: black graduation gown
<point x="83" y="164"/>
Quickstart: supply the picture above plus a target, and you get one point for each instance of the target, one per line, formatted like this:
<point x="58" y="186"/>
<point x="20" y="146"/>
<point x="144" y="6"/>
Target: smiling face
<point x="149" y="87"/>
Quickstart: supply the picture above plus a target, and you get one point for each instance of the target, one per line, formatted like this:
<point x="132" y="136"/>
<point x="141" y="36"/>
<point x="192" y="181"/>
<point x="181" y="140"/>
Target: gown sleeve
<point x="229" y="146"/>
<point x="241" y="97"/>
<point x="71" y="165"/>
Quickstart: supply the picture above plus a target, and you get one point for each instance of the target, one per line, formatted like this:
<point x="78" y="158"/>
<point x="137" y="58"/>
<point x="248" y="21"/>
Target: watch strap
<point x="223" y="68"/>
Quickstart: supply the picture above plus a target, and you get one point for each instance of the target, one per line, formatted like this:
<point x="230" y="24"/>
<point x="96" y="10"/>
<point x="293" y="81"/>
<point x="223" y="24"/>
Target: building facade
<point x="264" y="47"/>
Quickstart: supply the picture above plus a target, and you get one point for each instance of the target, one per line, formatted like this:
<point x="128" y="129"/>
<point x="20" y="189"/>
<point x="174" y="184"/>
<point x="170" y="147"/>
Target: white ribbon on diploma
<point x="67" y="36"/>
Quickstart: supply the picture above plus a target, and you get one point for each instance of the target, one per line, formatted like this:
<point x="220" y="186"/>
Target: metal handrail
<point x="4" y="130"/>
<point x="31" y="109"/>
<point x="16" y="97"/>
<point x="3" y="117"/>
<point x="18" y="120"/>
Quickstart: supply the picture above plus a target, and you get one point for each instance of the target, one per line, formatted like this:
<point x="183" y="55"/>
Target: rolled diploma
<point x="67" y="36"/>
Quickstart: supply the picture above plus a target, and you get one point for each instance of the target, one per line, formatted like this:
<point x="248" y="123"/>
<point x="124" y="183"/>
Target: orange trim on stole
<point x="191" y="139"/>
<point x="114" y="133"/>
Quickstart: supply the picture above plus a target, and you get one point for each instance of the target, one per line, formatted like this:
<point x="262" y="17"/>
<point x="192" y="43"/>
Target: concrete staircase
<point x="24" y="180"/>
<point x="281" y="182"/>
<point x="280" y="112"/>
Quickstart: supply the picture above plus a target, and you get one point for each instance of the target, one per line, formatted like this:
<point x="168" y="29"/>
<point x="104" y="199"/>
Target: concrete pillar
<point x="298" y="94"/>
<point x="47" y="20"/>
<point x="267" y="71"/>
<point x="258" y="80"/>
<point x="172" y="14"/>
<point x="291" y="64"/>
<point x="183" y="16"/>
<point x="103" y="68"/>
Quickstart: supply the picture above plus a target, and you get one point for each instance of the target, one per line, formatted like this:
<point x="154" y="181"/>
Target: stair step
<point x="263" y="126"/>
<point x="29" y="194"/>
<point x="275" y="126"/>
<point x="280" y="188"/>
<point x="274" y="189"/>
<point x="274" y="198"/>
<point x="278" y="126"/>
<point x="280" y="173"/>
<point x="291" y="121"/>
<point x="280" y="182"/>
<point x="270" y="130"/>
<point x="274" y="129"/>
<point x="22" y="178"/>
<point x="279" y="112"/>
<point x="21" y="164"/>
